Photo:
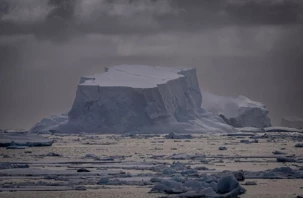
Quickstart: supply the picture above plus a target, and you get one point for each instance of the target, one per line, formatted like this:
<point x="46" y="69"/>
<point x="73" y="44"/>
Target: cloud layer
<point x="137" y="17"/>
<point x="249" y="47"/>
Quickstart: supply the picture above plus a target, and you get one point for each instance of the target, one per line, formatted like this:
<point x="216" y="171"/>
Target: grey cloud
<point x="53" y="18"/>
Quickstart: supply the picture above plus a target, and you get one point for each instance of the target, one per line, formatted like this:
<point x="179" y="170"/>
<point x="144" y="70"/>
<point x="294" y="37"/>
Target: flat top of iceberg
<point x="136" y="76"/>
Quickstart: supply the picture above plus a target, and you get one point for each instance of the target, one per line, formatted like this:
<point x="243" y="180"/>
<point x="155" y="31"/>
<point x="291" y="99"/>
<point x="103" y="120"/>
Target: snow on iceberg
<point x="140" y="98"/>
<point x="238" y="112"/>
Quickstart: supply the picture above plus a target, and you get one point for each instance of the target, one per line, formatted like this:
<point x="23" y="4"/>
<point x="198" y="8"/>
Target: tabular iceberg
<point x="139" y="98"/>
<point x="238" y="112"/>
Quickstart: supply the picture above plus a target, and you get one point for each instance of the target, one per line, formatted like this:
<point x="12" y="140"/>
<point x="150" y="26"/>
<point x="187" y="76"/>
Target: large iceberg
<point x="238" y="112"/>
<point x="139" y="98"/>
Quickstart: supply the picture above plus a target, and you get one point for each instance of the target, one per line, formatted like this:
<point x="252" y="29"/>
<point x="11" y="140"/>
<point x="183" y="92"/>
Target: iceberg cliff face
<point x="238" y="112"/>
<point x="129" y="97"/>
<point x="139" y="98"/>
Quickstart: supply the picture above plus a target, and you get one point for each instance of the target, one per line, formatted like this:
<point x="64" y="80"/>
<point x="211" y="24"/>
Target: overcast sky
<point x="240" y="47"/>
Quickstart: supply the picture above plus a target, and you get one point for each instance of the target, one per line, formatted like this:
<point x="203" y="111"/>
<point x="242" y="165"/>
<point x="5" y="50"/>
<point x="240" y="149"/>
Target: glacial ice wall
<point x="139" y="98"/>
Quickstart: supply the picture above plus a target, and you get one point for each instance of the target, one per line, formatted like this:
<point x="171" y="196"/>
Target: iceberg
<point x="138" y="98"/>
<point x="54" y="123"/>
<point x="238" y="112"/>
<point x="49" y="123"/>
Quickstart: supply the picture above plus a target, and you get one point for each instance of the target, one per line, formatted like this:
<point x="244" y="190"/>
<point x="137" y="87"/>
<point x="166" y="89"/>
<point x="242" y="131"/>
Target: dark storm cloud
<point x="61" y="18"/>
<point x="64" y="18"/>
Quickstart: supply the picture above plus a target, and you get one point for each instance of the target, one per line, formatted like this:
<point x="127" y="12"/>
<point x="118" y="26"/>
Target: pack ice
<point x="138" y="98"/>
<point x="238" y="112"/>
